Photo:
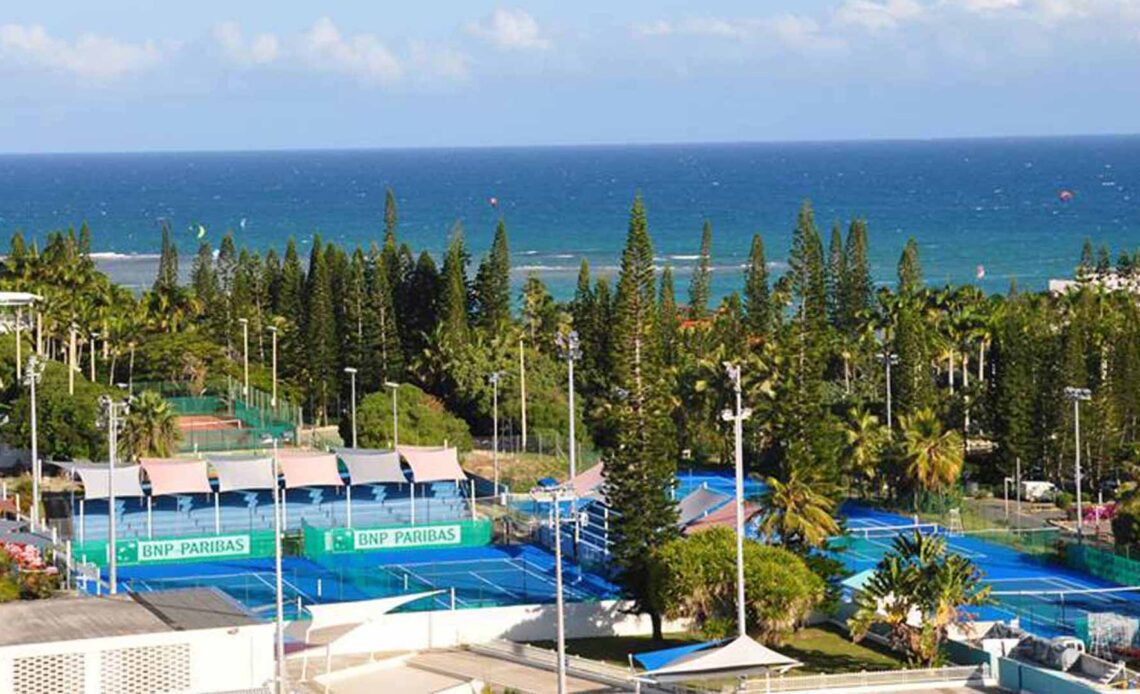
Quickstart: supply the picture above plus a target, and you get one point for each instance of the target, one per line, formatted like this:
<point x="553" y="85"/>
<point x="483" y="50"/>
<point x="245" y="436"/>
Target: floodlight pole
<point x="556" y="497"/>
<point x="245" y="354"/>
<point x="1077" y="395"/>
<point x="395" y="415"/>
<point x="32" y="377"/>
<point x="494" y="379"/>
<point x="889" y="359"/>
<point x="112" y="409"/>
<point x="91" y="360"/>
<point x="280" y="617"/>
<point x="738" y="418"/>
<point x="352" y="374"/>
<point x="273" y="398"/>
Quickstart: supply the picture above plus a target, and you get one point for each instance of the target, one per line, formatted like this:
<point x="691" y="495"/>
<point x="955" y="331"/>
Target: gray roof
<point x="70" y="618"/>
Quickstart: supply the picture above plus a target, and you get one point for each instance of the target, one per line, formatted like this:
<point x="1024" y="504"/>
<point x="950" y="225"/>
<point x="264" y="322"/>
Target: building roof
<point x="70" y="618"/>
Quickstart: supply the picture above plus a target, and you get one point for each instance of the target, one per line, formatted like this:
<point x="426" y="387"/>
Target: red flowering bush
<point x="26" y="573"/>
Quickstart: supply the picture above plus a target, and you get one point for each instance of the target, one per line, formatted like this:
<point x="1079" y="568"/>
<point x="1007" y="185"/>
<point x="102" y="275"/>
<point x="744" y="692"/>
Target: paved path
<point x="501" y="673"/>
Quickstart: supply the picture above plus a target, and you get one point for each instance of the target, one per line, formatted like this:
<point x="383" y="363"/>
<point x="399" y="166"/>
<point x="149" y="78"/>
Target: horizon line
<point x="587" y="145"/>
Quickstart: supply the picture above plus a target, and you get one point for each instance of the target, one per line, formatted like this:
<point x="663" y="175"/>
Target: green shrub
<point x="423" y="421"/>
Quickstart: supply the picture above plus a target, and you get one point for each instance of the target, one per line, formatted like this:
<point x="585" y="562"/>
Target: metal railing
<point x="845" y="680"/>
<point x="582" y="668"/>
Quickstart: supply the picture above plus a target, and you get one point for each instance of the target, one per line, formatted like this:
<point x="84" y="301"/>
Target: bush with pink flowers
<point x="25" y="573"/>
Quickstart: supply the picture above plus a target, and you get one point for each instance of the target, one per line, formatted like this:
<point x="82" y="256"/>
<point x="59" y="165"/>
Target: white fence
<point x="204" y="660"/>
<point x="879" y="681"/>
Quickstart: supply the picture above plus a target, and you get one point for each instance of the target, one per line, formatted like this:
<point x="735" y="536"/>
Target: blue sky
<point x="122" y="75"/>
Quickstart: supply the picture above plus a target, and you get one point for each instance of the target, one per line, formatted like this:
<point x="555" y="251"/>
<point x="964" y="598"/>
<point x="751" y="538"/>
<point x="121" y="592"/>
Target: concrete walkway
<point x="501" y="673"/>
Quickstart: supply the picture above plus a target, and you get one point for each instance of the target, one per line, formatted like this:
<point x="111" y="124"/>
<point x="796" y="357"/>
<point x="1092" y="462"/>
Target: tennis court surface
<point x="1050" y="599"/>
<point x="477" y="577"/>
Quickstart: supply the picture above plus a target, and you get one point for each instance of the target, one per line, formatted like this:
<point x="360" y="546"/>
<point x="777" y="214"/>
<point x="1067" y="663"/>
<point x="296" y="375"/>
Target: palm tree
<point x="797" y="513"/>
<point x="150" y="428"/>
<point x="865" y="437"/>
<point x="932" y="457"/>
<point x="919" y="590"/>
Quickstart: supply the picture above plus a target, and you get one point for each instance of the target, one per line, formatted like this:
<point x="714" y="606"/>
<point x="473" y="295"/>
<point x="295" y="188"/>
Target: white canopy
<point x="97" y="483"/>
<point x="368" y="465"/>
<point x="18" y="298"/>
<point x="235" y="474"/>
<point x="433" y="464"/>
<point x="741" y="656"/>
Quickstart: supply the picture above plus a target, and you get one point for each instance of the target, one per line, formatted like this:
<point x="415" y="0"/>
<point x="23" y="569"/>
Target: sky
<point x="129" y="75"/>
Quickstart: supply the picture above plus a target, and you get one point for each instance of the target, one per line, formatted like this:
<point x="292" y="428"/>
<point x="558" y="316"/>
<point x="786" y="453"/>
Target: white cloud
<point x="439" y="61"/>
<point x="876" y="16"/>
<point x="261" y="50"/>
<point x="982" y="6"/>
<point x="363" y="56"/>
<point x="657" y="28"/>
<point x="510" y="30"/>
<point x="90" y="56"/>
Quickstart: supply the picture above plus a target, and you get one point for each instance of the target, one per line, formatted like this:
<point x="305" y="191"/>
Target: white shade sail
<point x="741" y="656"/>
<point x="97" y="483"/>
<point x="433" y="464"/>
<point x="176" y="476"/>
<point x="235" y="474"/>
<point x="368" y="465"/>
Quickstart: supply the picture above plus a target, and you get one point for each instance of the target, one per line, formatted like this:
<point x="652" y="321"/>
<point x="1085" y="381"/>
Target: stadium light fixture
<point x="395" y="413"/>
<point x="32" y="375"/>
<point x="1077" y="395"/>
<point x="555" y="492"/>
<point x="279" y="634"/>
<point x="737" y="418"/>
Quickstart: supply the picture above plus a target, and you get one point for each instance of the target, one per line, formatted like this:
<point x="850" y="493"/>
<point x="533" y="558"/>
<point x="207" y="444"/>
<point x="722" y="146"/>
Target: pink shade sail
<point x="97" y="481"/>
<point x="589" y="481"/>
<point x="176" y="476"/>
<point x="723" y="517"/>
<point x="309" y="469"/>
<point x="433" y="464"/>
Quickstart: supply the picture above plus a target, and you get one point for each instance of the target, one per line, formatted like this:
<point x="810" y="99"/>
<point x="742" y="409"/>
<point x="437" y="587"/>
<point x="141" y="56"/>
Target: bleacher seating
<point x="242" y="511"/>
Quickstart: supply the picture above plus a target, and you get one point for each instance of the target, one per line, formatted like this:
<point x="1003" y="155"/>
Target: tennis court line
<point x="494" y="585"/>
<point x="431" y="585"/>
<point x="573" y="591"/>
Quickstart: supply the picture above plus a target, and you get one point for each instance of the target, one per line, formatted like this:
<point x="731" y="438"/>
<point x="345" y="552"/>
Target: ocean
<point x="996" y="203"/>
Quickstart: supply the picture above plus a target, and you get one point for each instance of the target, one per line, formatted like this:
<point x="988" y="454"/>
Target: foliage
<point x="150" y="428"/>
<point x="423" y="420"/>
<point x="797" y="513"/>
<point x="66" y="424"/>
<point x="694" y="578"/>
<point x="919" y="591"/>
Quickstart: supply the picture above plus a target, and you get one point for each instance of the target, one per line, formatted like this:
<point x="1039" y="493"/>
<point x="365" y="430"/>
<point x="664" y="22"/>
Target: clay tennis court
<point x="207" y="422"/>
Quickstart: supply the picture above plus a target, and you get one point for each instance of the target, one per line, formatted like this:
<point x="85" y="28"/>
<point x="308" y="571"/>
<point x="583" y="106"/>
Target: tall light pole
<point x="351" y="371"/>
<point x="279" y="635"/>
<point x="570" y="350"/>
<point x="31" y="377"/>
<point x="1077" y="395"/>
<point x="494" y="379"/>
<point x="245" y="354"/>
<point x="522" y="390"/>
<point x="273" y="398"/>
<point x="94" y="339"/>
<point x="889" y="359"/>
<point x="71" y="365"/>
<point x="556" y="493"/>
<point x="112" y="409"/>
<point x="737" y="418"/>
<point x="395" y="413"/>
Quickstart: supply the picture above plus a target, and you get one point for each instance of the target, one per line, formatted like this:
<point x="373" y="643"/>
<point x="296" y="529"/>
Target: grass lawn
<point x="822" y="649"/>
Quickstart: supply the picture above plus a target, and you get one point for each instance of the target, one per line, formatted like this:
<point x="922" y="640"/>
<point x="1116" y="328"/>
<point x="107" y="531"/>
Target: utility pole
<point x="522" y="390"/>
<point x="889" y="358"/>
<point x="570" y="349"/>
<point x="494" y="379"/>
<point x="737" y="418"/>
<point x="352" y="374"/>
<point x="32" y="377"/>
<point x="273" y="398"/>
<point x="245" y="354"/>
<point x="395" y="414"/>
<point x="112" y="410"/>
<point x="1077" y="395"/>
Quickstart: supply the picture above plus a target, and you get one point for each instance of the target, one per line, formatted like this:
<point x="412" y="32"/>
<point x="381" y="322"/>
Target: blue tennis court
<point x="719" y="481"/>
<point x="473" y="576"/>
<point x="1049" y="598"/>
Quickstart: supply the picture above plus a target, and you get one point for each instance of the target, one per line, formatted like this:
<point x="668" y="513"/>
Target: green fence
<point x="190" y="548"/>
<point x="1103" y="564"/>
<point x="258" y="415"/>
<point x="461" y="533"/>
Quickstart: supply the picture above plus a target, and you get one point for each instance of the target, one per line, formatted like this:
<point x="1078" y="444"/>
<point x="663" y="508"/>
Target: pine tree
<point x="271" y="279"/>
<point x="202" y="277"/>
<point x="1086" y="265"/>
<point x="291" y="307"/>
<point x="382" y="337"/>
<point x="354" y="352"/>
<point x="390" y="256"/>
<point x="320" y="335"/>
<point x="699" y="286"/>
<point x="757" y="301"/>
<point x="836" y="277"/>
<point x="641" y="467"/>
<point x="167" y="278"/>
<point x="1103" y="260"/>
<point x="809" y="282"/>
<point x="493" y="283"/>
<point x="669" y="324"/>
<point x="914" y="382"/>
<point x="539" y="313"/>
<point x="857" y="285"/>
<point x="421" y="306"/>
<point x="455" y="295"/>
<point x="225" y="267"/>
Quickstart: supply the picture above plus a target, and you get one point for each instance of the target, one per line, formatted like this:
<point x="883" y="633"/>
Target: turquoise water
<point x="968" y="202"/>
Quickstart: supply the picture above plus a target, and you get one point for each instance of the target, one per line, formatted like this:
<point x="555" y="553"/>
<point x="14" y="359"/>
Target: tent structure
<point x="433" y="464"/>
<point x="98" y="483"/>
<point x="586" y="483"/>
<point x="723" y="517"/>
<point x="306" y="469"/>
<point x="176" y="476"/>
<point x="368" y="466"/>
<point x="238" y="474"/>
<point x="737" y="657"/>
<point x="699" y="504"/>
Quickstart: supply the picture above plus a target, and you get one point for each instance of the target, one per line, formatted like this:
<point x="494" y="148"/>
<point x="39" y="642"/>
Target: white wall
<point x="220" y="659"/>
<point x="448" y="628"/>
